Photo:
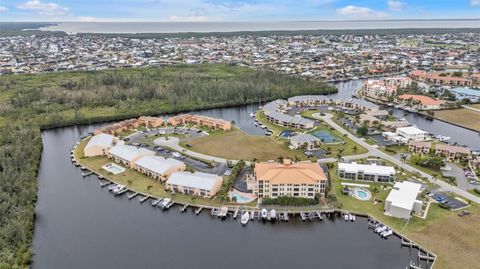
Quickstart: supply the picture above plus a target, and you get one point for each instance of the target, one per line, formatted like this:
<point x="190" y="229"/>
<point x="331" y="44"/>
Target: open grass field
<point x="463" y="116"/>
<point x="455" y="240"/>
<point x="236" y="144"/>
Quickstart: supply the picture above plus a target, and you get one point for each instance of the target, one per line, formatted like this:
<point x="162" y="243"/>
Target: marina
<point x="100" y="204"/>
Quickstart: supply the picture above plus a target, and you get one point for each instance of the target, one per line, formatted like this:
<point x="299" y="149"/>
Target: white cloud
<point x="360" y="12"/>
<point x="397" y="5"/>
<point x="3" y="9"/>
<point x="475" y="3"/>
<point x="49" y="9"/>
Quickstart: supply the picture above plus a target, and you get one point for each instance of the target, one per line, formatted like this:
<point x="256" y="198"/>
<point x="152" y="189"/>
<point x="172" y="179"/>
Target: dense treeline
<point x="19" y="156"/>
<point x="29" y="103"/>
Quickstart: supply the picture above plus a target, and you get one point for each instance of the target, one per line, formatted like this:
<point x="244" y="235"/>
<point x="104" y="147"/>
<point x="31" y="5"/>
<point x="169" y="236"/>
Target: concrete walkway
<point x="376" y="152"/>
<point x="472" y="108"/>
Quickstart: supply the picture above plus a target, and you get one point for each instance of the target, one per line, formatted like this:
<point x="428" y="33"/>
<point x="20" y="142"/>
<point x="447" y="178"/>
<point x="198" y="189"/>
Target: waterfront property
<point x="305" y="141"/>
<point x="118" y="127"/>
<point x="99" y="144"/>
<point x="285" y="120"/>
<point x="158" y="167"/>
<point x="199" y="184"/>
<point x="412" y="133"/>
<point x="419" y="147"/>
<point x="390" y="136"/>
<point x="301" y="179"/>
<point x="402" y="200"/>
<point x="150" y="121"/>
<point x="128" y="155"/>
<point x="367" y="172"/>
<point x="200" y="120"/>
<point x="452" y="152"/>
<point x="438" y="79"/>
<point x="421" y="101"/>
<point x="378" y="89"/>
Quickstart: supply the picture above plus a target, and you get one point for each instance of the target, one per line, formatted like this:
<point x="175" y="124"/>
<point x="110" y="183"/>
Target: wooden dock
<point x="86" y="174"/>
<point x="143" y="199"/>
<point x="132" y="195"/>
<point x="235" y="213"/>
<point x="198" y="210"/>
<point x="184" y="208"/>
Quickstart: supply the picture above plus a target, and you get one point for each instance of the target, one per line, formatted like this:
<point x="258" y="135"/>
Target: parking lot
<point x="138" y="140"/>
<point x="445" y="199"/>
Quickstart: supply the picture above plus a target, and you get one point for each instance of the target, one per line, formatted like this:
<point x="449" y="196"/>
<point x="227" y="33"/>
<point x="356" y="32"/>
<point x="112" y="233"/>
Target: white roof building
<point x="128" y="155"/>
<point x="157" y="166"/>
<point x="402" y="200"/>
<point x="198" y="183"/>
<point x="98" y="145"/>
<point x="412" y="133"/>
<point x="368" y="172"/>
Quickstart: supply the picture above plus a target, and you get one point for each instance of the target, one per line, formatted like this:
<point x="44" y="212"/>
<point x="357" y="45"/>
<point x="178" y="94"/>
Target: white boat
<point x="381" y="229"/>
<point x="351" y="217"/>
<point x="387" y="233"/>
<point x="223" y="212"/>
<point x="119" y="189"/>
<point x="346" y="217"/>
<point x="165" y="202"/>
<point x="264" y="214"/>
<point x="273" y="215"/>
<point x="256" y="123"/>
<point x="112" y="187"/>
<point x="252" y="115"/>
<point x="245" y="218"/>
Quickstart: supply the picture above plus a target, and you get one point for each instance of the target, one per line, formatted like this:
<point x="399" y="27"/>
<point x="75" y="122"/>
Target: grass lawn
<point x="463" y="116"/>
<point x="452" y="238"/>
<point x="236" y="145"/>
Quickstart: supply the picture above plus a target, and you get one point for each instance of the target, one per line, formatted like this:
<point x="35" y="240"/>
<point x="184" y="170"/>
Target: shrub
<point x="290" y="201"/>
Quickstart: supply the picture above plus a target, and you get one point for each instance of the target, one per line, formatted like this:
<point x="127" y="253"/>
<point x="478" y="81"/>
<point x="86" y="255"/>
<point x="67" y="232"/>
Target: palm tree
<point x="375" y="191"/>
<point x="355" y="148"/>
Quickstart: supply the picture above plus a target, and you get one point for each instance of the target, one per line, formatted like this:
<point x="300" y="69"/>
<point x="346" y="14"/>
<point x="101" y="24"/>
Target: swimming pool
<point x="114" y="168"/>
<point x="326" y="137"/>
<point x="361" y="194"/>
<point x="242" y="198"/>
<point x="287" y="133"/>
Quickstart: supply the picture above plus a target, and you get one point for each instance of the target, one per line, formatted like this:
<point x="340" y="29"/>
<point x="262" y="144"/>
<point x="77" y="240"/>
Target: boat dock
<point x="184" y="208"/>
<point x="198" y="210"/>
<point x="85" y="174"/>
<point x="235" y="213"/>
<point x="143" y="198"/>
<point x="132" y="195"/>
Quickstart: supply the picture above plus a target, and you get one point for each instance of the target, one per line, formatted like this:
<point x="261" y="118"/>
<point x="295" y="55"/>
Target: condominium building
<point x="306" y="141"/>
<point x="128" y="155"/>
<point x="301" y="179"/>
<point x="309" y="100"/>
<point x="199" y="184"/>
<point x="452" y="152"/>
<point x="439" y="79"/>
<point x="150" y="121"/>
<point x="402" y="200"/>
<point x="99" y="144"/>
<point x="378" y="89"/>
<point x="201" y="121"/>
<point x="158" y="167"/>
<point x="367" y="172"/>
<point x="412" y="133"/>
<point x="285" y="120"/>
<point x="118" y="127"/>
<point x="419" y="147"/>
<point x="422" y="102"/>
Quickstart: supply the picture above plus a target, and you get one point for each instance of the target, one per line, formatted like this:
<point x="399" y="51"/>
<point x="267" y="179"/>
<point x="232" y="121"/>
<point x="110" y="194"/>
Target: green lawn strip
<point x="137" y="181"/>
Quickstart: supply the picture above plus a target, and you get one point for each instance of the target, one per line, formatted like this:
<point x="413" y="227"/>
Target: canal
<point x="80" y="225"/>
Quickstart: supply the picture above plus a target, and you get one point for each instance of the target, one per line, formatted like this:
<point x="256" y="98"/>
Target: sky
<point x="234" y="10"/>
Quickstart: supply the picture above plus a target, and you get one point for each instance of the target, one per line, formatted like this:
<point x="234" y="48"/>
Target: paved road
<point x="376" y="152"/>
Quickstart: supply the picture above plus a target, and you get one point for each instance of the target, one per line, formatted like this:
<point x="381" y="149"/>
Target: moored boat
<point x="264" y="214"/>
<point x="245" y="218"/>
